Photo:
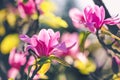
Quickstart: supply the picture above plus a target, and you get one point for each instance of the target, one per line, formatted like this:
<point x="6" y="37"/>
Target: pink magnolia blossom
<point x="92" y="17"/>
<point x="27" y="8"/>
<point x="45" y="43"/>
<point x="16" y="60"/>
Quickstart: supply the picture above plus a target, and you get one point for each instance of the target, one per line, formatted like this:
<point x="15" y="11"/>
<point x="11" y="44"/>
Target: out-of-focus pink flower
<point x="16" y="60"/>
<point x="27" y="8"/>
<point x="45" y="43"/>
<point x="93" y="17"/>
<point x="70" y="39"/>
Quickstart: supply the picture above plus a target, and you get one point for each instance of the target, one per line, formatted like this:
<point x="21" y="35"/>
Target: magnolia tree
<point x="36" y="44"/>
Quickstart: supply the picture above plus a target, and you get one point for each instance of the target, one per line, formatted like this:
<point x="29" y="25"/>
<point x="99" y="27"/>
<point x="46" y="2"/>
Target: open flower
<point x="45" y="43"/>
<point x="93" y="18"/>
<point x="16" y="60"/>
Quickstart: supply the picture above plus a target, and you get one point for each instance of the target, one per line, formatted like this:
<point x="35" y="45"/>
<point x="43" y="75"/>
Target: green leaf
<point x="43" y="60"/>
<point x="59" y="60"/>
<point x="25" y="1"/>
<point x="82" y="38"/>
<point x="30" y="67"/>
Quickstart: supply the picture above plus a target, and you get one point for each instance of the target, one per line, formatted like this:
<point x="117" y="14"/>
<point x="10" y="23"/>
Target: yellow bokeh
<point x="10" y="79"/>
<point x="52" y="20"/>
<point x="11" y="19"/>
<point x="9" y="42"/>
<point x="2" y="15"/>
<point x="116" y="76"/>
<point x="47" y="6"/>
<point x="85" y="67"/>
<point x="2" y="30"/>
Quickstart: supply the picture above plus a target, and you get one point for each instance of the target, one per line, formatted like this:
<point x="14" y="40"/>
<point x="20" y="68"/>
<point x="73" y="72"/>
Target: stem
<point x="38" y="14"/>
<point x="106" y="46"/>
<point x="35" y="25"/>
<point x="23" y="67"/>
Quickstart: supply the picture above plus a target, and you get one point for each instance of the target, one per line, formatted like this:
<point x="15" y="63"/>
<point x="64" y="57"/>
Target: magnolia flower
<point x="93" y="18"/>
<point x="45" y="43"/>
<point x="16" y="60"/>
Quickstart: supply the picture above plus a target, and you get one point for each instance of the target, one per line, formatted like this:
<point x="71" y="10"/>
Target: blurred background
<point x="99" y="65"/>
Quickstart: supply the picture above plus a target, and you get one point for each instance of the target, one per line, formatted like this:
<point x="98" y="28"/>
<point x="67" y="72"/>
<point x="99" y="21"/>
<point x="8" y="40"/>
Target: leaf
<point x="44" y="68"/>
<point x="82" y="38"/>
<point x="52" y="57"/>
<point x="30" y="67"/>
<point x="43" y="60"/>
<point x="25" y="1"/>
<point x="115" y="67"/>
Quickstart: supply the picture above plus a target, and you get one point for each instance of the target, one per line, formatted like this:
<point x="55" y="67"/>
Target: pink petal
<point x="62" y="47"/>
<point x="112" y="21"/>
<point x="11" y="56"/>
<point x="21" y="10"/>
<point x="54" y="37"/>
<point x="34" y="41"/>
<point x="22" y="59"/>
<point x="44" y="36"/>
<point x="76" y="15"/>
<point x="25" y="38"/>
<point x="17" y="58"/>
<point x="91" y="27"/>
<point x="102" y="11"/>
<point x="88" y="11"/>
